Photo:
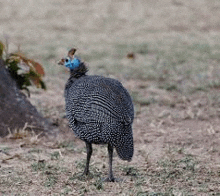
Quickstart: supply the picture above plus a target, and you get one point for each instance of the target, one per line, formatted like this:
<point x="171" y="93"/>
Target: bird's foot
<point x="108" y="179"/>
<point x="84" y="177"/>
<point x="85" y="173"/>
<point x="111" y="179"/>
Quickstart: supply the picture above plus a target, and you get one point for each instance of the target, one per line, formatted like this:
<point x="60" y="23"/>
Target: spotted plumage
<point x="99" y="111"/>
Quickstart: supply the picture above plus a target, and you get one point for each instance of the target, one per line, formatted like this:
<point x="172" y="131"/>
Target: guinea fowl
<point x="99" y="110"/>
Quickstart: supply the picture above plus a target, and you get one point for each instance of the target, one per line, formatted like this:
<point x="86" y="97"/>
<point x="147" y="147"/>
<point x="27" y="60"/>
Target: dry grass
<point x="173" y="79"/>
<point x="55" y="166"/>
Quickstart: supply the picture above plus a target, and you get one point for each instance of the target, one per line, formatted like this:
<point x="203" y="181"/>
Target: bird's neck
<point x="79" y="71"/>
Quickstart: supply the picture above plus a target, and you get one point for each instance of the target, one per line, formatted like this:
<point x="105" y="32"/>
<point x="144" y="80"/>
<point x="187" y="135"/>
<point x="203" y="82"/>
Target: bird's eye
<point x="67" y="60"/>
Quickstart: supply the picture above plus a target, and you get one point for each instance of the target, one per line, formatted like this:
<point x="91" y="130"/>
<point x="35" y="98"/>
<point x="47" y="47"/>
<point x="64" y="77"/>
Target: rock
<point x="15" y="109"/>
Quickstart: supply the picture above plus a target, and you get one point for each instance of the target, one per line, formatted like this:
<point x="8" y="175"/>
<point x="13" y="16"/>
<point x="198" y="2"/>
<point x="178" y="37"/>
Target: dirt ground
<point x="173" y="79"/>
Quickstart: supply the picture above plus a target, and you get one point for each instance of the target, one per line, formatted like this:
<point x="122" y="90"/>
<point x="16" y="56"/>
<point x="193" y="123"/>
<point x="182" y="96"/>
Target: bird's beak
<point x="61" y="62"/>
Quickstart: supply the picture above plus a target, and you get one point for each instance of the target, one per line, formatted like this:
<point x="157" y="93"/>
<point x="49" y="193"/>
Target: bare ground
<point x="176" y="153"/>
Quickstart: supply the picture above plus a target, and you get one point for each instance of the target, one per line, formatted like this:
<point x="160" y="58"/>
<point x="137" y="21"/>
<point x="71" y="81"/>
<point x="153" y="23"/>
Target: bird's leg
<point x="89" y="154"/>
<point x="110" y="153"/>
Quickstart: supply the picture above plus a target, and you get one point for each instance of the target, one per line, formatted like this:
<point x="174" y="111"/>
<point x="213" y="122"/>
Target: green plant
<point x="24" y="71"/>
<point x="2" y="47"/>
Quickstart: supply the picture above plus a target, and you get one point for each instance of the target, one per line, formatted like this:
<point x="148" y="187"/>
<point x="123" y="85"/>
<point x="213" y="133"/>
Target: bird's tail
<point x="124" y="144"/>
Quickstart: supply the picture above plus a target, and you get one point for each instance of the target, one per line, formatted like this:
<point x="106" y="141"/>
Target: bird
<point x="99" y="111"/>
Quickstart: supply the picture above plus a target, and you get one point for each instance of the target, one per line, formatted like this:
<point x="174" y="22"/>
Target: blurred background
<point x="169" y="44"/>
<point x="172" y="44"/>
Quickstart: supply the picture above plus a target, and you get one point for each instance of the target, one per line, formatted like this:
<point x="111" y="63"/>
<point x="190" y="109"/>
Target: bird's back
<point x="100" y="99"/>
<point x="100" y="110"/>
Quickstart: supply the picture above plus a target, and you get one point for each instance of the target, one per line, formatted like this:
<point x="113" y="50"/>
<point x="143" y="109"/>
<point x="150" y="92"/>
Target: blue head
<point x="72" y="63"/>
<point x="75" y="65"/>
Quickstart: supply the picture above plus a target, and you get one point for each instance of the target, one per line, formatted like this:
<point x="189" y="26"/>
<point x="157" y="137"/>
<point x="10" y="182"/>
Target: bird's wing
<point x="102" y="100"/>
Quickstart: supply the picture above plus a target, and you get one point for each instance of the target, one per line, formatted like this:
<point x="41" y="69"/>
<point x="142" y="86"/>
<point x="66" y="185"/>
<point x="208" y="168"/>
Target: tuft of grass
<point x="130" y="170"/>
<point x="35" y="150"/>
<point x="169" y="87"/>
<point x="99" y="184"/>
<point x="142" y="101"/>
<point x="167" y="193"/>
<point x="50" y="181"/>
<point x="69" y="145"/>
<point x="83" y="190"/>
<point x="81" y="164"/>
<point x="214" y="84"/>
<point x="66" y="191"/>
<point x="39" y="165"/>
<point x="198" y="88"/>
<point x="175" y="169"/>
<point x="55" y="155"/>
<point x="5" y="150"/>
